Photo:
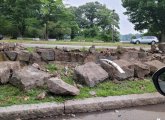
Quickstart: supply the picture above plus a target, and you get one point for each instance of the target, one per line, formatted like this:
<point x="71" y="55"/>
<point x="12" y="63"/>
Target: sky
<point x="125" y="26"/>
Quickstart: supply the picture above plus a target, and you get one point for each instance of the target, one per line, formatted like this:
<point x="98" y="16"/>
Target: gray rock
<point x="35" y="65"/>
<point x="12" y="65"/>
<point x="48" y="55"/>
<point x="154" y="65"/>
<point x="90" y="74"/>
<point x="161" y="47"/>
<point x="142" y="55"/>
<point x="6" y="69"/>
<point x="41" y="96"/>
<point x="115" y="74"/>
<point x="12" y="55"/>
<point x="130" y="55"/>
<point x="28" y="78"/>
<point x="92" y="93"/>
<point x="24" y="56"/>
<point x="35" y="58"/>
<point x="79" y="86"/>
<point x="59" y="87"/>
<point x="3" y="56"/>
<point x="65" y="49"/>
<point x="90" y="58"/>
<point x="141" y="70"/>
<point x="92" y="49"/>
<point x="4" y="74"/>
<point x="154" y="49"/>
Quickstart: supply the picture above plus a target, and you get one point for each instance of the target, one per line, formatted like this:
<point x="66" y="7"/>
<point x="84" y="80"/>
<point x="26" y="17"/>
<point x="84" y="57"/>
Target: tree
<point x="50" y="11"/>
<point x="96" y="19"/>
<point x="147" y="14"/>
<point x="18" y="12"/>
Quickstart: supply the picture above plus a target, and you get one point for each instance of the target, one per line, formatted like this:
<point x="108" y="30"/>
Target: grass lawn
<point x="76" y="43"/>
<point x="10" y="95"/>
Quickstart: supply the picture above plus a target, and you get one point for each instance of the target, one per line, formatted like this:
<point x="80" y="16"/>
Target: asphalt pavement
<point x="151" y="112"/>
<point x="73" y="46"/>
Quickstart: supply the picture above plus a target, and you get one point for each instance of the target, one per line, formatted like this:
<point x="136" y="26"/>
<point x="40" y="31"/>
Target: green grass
<point x="30" y="49"/>
<point x="75" y="43"/>
<point x="51" y="67"/>
<point x="10" y="95"/>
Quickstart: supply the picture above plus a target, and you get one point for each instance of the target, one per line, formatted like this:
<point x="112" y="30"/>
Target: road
<point x="152" y="112"/>
<point x="70" y="46"/>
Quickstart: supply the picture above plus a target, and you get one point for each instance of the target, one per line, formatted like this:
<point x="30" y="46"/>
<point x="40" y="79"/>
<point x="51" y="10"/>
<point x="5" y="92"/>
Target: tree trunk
<point x="46" y="31"/>
<point x="162" y="42"/>
<point x="162" y="37"/>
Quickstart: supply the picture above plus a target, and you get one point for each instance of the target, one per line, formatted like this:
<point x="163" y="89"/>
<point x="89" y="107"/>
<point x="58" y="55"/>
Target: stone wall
<point x="15" y="52"/>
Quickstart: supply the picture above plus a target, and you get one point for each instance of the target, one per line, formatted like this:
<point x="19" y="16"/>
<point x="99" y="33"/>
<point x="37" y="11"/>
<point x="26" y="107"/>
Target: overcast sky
<point x="125" y="26"/>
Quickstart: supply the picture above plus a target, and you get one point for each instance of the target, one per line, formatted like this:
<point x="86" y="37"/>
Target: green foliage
<point x="96" y="19"/>
<point x="90" y="32"/>
<point x="18" y="11"/>
<point x="52" y="19"/>
<point x="107" y="36"/>
<point x="147" y="14"/>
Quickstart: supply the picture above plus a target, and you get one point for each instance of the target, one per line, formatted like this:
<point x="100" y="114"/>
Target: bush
<point x="33" y="32"/>
<point x="107" y="37"/>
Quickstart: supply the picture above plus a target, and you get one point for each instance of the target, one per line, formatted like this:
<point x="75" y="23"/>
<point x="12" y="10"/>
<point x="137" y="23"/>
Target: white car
<point x="146" y="40"/>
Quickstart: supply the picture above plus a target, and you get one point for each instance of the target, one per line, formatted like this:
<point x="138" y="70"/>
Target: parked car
<point x="145" y="40"/>
<point x="159" y="80"/>
<point x="1" y="37"/>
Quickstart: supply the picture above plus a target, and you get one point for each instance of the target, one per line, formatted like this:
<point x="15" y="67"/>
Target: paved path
<point x="70" y="46"/>
<point x="152" y="112"/>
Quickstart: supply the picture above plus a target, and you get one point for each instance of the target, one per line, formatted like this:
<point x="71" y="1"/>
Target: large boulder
<point x="115" y="74"/>
<point x="4" y="74"/>
<point x="59" y="87"/>
<point x="12" y="55"/>
<point x="47" y="54"/>
<point x="3" y="56"/>
<point x="7" y="46"/>
<point x="90" y="74"/>
<point x="6" y="69"/>
<point x="24" y="56"/>
<point x="77" y="57"/>
<point x="154" y="65"/>
<point x="130" y="55"/>
<point x="92" y="49"/>
<point x="141" y="70"/>
<point x="35" y="58"/>
<point x="161" y="47"/>
<point x="28" y="78"/>
<point x="90" y="58"/>
<point x="63" y="56"/>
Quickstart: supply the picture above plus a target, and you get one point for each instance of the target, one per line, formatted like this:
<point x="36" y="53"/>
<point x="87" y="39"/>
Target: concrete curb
<point x="113" y="102"/>
<point x="79" y="106"/>
<point x="31" y="111"/>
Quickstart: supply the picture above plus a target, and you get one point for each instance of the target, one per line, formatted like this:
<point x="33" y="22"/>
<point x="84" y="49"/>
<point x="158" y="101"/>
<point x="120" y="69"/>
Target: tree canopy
<point x="147" y="14"/>
<point x="52" y="19"/>
<point x="95" y="19"/>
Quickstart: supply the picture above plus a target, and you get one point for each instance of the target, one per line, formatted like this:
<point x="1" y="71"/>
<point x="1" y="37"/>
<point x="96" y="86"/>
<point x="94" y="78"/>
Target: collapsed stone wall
<point x="135" y="63"/>
<point x="15" y="52"/>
